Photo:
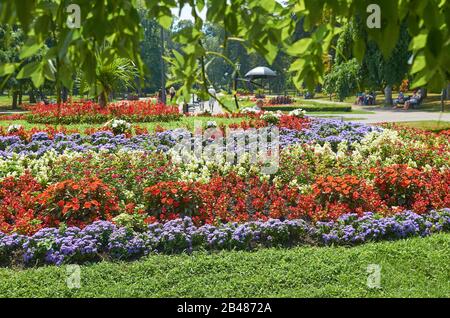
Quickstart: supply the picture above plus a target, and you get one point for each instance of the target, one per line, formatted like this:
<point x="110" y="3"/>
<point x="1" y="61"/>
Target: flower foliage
<point x="18" y="200"/>
<point x="103" y="239"/>
<point x="90" y="112"/>
<point x="77" y="203"/>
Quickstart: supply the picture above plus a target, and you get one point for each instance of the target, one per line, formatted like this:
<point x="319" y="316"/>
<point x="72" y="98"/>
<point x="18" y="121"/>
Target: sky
<point x="186" y="13"/>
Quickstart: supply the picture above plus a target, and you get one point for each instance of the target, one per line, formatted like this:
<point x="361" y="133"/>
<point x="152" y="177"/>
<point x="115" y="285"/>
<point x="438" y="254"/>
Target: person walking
<point x="172" y="93"/>
<point x="212" y="98"/>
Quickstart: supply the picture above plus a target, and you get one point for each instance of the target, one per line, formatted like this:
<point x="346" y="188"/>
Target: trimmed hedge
<point x="310" y="108"/>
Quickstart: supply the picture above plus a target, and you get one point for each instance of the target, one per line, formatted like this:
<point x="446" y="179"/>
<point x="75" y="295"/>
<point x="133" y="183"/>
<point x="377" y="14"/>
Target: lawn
<point x="5" y="102"/>
<point x="312" y="107"/>
<point x="431" y="125"/>
<point x="418" y="267"/>
<point x="184" y="122"/>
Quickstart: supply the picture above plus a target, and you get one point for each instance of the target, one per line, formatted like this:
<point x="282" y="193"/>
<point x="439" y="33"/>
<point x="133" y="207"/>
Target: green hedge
<point x="310" y="108"/>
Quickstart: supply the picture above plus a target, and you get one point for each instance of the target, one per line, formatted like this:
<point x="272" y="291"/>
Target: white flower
<point x="250" y="110"/>
<point x="300" y="113"/>
<point x="118" y="126"/>
<point x="211" y="124"/>
<point x="13" y="128"/>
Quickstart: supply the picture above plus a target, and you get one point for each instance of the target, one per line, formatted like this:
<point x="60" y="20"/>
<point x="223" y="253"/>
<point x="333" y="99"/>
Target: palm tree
<point x="111" y="75"/>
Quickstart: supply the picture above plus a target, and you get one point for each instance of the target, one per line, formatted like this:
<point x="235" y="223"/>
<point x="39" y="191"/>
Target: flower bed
<point x="105" y="240"/>
<point x="51" y="180"/>
<point x="92" y="113"/>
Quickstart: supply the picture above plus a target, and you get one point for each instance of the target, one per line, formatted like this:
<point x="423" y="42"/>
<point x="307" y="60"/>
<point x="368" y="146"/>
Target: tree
<point x="72" y="48"/>
<point x="344" y="79"/>
<point x="375" y="72"/>
<point x="11" y="43"/>
<point x="110" y="75"/>
<point x="383" y="73"/>
<point x="151" y="51"/>
<point x="11" y="40"/>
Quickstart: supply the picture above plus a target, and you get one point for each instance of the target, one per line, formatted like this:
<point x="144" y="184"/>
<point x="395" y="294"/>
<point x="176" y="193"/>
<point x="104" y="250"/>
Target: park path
<point x="196" y="110"/>
<point x="393" y="115"/>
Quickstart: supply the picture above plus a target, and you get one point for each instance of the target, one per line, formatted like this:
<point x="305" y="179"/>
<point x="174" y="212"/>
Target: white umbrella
<point x="260" y="72"/>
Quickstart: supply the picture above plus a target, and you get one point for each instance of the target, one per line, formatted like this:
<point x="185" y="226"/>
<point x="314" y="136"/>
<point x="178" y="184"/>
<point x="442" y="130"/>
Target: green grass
<point x="6" y="102"/>
<point x="341" y="117"/>
<point x="418" y="267"/>
<point x="431" y="125"/>
<point x="311" y="108"/>
<point x="184" y="122"/>
<point x="306" y="104"/>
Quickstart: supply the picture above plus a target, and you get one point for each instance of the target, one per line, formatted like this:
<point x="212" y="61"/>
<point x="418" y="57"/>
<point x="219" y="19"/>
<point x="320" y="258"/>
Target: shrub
<point x="169" y="200"/>
<point x="90" y="112"/>
<point x="281" y="100"/>
<point x="18" y="202"/>
<point x="224" y="199"/>
<point x="129" y="174"/>
<point x="335" y="196"/>
<point x="409" y="188"/>
<point x="271" y="118"/>
<point x="77" y="203"/>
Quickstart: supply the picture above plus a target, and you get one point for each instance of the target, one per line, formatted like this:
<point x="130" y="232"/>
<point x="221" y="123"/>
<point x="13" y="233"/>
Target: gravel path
<point x="393" y="115"/>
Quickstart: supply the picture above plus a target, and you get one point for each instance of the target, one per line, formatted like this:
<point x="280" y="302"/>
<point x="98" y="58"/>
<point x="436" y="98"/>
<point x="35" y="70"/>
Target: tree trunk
<point x="20" y="98"/>
<point x="102" y="99"/>
<point x="423" y="92"/>
<point x="64" y="94"/>
<point x="388" y="95"/>
<point x="32" y="97"/>
<point x="448" y="91"/>
<point x="58" y="94"/>
<point x="15" y="97"/>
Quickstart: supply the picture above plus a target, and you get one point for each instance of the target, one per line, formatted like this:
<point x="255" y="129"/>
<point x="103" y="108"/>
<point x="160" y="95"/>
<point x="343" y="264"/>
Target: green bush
<point x="343" y="79"/>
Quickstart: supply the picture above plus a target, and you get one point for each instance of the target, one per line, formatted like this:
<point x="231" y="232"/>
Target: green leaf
<point x="38" y="77"/>
<point x="29" y="70"/>
<point x="165" y="21"/>
<point x="420" y="81"/>
<point x="419" y="42"/>
<point x="49" y="70"/>
<point x="299" y="47"/>
<point x="419" y="64"/>
<point x="268" y="5"/>
<point x="7" y="68"/>
<point x="359" y="49"/>
<point x="29" y="50"/>
<point x="434" y="42"/>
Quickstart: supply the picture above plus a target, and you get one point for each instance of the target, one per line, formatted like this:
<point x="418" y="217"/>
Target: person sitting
<point x="401" y="99"/>
<point x="255" y="109"/>
<point x="359" y="98"/>
<point x="309" y="95"/>
<point x="414" y="101"/>
<point x="369" y="98"/>
<point x="259" y="105"/>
